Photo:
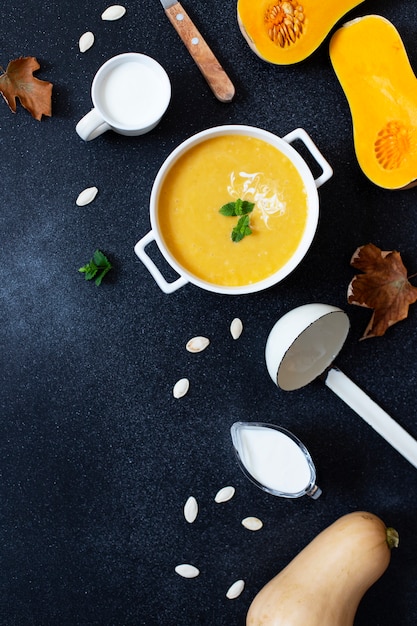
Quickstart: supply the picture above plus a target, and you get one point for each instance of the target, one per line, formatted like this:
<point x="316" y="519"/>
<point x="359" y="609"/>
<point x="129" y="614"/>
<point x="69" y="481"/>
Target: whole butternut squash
<point x="371" y="63"/>
<point x="288" y="31"/>
<point x="324" y="583"/>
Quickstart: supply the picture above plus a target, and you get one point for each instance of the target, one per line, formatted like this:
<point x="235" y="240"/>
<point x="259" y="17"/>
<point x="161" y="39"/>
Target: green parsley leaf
<point x="242" y="208"/>
<point x="96" y="268"/>
<point x="242" y="229"/>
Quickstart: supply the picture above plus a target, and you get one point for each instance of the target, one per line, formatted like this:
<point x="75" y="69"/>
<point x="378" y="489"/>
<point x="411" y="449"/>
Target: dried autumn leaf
<point x="18" y="82"/>
<point x="383" y="287"/>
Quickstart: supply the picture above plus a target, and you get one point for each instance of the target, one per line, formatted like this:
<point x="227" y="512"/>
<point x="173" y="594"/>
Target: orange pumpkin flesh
<point x="372" y="65"/>
<point x="288" y="31"/>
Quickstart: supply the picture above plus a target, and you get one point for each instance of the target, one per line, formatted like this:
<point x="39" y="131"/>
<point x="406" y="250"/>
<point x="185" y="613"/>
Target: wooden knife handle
<point x="209" y="66"/>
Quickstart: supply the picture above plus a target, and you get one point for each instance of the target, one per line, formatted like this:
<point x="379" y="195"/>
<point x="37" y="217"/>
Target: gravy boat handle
<point x="300" y="133"/>
<point x="164" y="285"/>
<point x="373" y="415"/>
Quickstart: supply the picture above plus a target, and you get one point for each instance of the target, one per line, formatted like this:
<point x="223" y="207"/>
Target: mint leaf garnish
<point x="228" y="209"/>
<point x="242" y="229"/>
<point x="239" y="208"/>
<point x="243" y="207"/>
<point x="96" y="268"/>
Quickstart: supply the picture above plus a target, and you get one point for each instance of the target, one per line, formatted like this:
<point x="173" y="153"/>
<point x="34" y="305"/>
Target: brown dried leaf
<point x="18" y="82"/>
<point x="383" y="287"/>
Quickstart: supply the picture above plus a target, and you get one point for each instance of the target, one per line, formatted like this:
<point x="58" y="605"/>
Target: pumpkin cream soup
<point x="215" y="172"/>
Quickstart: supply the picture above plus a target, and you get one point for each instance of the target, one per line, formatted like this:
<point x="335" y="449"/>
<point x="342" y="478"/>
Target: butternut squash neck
<point x="324" y="583"/>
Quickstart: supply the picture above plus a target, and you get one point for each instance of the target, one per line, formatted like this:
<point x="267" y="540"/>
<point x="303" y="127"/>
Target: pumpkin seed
<point x="187" y="571"/>
<point x="235" y="590"/>
<point x="236" y="328"/>
<point x="284" y="22"/>
<point x="86" y="196"/>
<point x="287" y="8"/>
<point x="181" y="387"/>
<point x="225" y="494"/>
<point x="191" y="509"/>
<point x="392" y="145"/>
<point x="197" y="344"/>
<point x="115" y="12"/>
<point x="252" y="523"/>
<point x="86" y="41"/>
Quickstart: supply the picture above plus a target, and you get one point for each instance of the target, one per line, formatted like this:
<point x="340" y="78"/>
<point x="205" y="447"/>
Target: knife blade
<point x="209" y="66"/>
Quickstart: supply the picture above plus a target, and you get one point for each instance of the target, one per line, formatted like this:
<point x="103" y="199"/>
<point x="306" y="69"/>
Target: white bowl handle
<point x="164" y="285"/>
<point x="300" y="133"/>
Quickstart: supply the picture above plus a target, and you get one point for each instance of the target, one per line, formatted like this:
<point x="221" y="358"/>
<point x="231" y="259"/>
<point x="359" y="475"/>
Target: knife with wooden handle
<point x="209" y="66"/>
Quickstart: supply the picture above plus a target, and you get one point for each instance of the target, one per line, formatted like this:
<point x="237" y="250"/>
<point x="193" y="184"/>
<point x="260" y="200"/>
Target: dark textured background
<point x="96" y="456"/>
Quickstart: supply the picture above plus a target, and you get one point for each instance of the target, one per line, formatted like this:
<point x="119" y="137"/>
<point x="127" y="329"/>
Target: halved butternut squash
<point x="371" y="63"/>
<point x="288" y="31"/>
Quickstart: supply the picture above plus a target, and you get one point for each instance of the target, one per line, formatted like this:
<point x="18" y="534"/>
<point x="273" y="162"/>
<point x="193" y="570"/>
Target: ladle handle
<point x="380" y="421"/>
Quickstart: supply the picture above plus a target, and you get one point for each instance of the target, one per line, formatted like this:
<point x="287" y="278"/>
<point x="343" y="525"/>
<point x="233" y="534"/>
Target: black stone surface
<point x="96" y="456"/>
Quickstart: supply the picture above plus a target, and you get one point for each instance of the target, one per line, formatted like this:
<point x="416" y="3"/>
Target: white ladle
<point x="302" y="346"/>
